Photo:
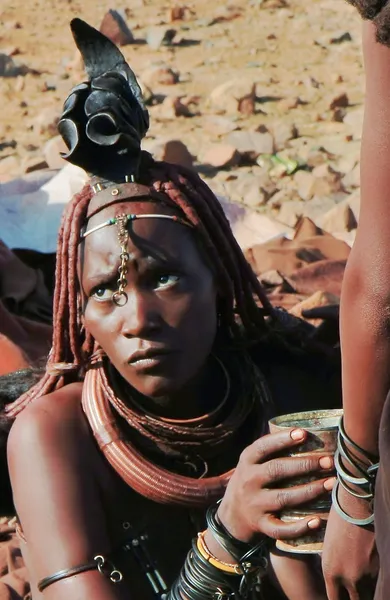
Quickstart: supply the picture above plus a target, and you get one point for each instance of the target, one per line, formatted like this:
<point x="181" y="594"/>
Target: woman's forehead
<point x="156" y="237"/>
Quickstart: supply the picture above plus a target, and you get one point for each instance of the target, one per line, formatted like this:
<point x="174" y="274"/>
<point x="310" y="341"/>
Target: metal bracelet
<point x="345" y="516"/>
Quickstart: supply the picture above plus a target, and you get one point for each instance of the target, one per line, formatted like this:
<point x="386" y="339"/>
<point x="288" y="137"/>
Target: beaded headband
<point x="120" y="297"/>
<point x="131" y="217"/>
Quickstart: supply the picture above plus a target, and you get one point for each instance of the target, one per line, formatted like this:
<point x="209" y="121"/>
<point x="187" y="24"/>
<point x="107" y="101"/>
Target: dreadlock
<point x="72" y="345"/>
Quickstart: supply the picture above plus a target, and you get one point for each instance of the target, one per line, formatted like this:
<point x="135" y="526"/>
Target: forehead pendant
<point x="120" y="297"/>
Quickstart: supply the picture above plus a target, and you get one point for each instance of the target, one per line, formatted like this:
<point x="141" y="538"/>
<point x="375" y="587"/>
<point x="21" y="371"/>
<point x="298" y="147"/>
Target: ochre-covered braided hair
<point x="185" y="190"/>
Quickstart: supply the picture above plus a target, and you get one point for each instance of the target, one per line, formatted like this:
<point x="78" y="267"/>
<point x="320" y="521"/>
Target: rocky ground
<point x="265" y="94"/>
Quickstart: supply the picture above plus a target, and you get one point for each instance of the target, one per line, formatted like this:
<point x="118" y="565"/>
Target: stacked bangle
<point x="206" y="577"/>
<point x="351" y="457"/>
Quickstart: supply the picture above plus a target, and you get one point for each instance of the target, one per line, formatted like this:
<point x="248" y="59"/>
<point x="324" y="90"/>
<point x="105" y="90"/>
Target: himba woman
<point x="162" y="376"/>
<point x="365" y="342"/>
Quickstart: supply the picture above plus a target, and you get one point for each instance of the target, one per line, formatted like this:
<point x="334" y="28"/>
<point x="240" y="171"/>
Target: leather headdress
<point x="104" y="119"/>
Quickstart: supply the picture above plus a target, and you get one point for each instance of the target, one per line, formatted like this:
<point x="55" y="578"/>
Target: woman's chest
<point x="149" y="541"/>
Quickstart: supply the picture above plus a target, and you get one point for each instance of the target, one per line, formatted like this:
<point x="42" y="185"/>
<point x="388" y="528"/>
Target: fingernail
<point x="297" y="434"/>
<point x="326" y="462"/>
<point x="329" y="483"/>
<point x="313" y="523"/>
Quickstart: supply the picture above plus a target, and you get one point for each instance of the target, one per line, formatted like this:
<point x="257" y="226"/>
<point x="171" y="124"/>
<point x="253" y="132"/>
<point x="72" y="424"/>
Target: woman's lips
<point x="150" y="360"/>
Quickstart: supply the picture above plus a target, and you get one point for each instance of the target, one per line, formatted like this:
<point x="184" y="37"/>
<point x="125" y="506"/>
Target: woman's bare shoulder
<point x="51" y="423"/>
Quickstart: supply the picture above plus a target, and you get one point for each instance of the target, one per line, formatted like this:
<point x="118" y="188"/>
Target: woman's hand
<point x="252" y="499"/>
<point x="355" y="578"/>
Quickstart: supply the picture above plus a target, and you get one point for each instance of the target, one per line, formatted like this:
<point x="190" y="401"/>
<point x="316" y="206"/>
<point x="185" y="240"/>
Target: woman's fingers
<point x="269" y="445"/>
<point x="294" y="466"/>
<point x="277" y="500"/>
<point x="279" y="530"/>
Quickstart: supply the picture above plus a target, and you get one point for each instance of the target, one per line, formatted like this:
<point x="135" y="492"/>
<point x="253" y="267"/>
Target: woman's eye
<point x="166" y="280"/>
<point x="102" y="293"/>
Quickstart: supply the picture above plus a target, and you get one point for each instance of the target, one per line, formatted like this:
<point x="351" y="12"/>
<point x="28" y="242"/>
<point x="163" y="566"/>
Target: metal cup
<point x="322" y="428"/>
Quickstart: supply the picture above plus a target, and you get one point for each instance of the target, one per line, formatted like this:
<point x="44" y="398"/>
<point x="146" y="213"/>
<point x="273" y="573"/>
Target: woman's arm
<point x="365" y="324"/>
<point x="56" y="497"/>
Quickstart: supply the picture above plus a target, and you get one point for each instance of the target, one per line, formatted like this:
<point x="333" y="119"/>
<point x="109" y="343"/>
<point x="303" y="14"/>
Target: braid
<point x="185" y="190"/>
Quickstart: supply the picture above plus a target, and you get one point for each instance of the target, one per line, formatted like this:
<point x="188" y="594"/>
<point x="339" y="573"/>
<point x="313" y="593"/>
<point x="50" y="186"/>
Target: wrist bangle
<point x="213" y="560"/>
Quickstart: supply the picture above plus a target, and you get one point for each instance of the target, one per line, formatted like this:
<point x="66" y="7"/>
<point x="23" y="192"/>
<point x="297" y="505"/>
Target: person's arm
<point x="56" y="499"/>
<point x="365" y="323"/>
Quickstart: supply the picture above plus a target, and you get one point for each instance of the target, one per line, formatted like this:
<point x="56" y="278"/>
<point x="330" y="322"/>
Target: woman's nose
<point x="140" y="315"/>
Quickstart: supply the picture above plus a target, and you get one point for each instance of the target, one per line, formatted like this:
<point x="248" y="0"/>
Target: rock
<point x="160" y="36"/>
<point x="352" y="179"/>
<point x="353" y="202"/>
<point x="218" y="125"/>
<point x="314" y="301"/>
<point x="115" y="28"/>
<point x="316" y="158"/>
<point x="252" y="143"/>
<point x="52" y="152"/>
<point x="286" y="104"/>
<point x="46" y="123"/>
<point x="317" y="206"/>
<point x="160" y="75"/>
<point x="253" y="189"/>
<point x="222" y="156"/>
<point x="179" y="13"/>
<point x="9" y="167"/>
<point x="341" y="37"/>
<point x="290" y="212"/>
<point x="271" y="278"/>
<point x="172" y="151"/>
<point x="340" y="218"/>
<point x="322" y="181"/>
<point x="34" y="163"/>
<point x="282" y="133"/>
<point x="354" y="120"/>
<point x="281" y="197"/>
<point x="171" y="108"/>
<point x="234" y="96"/>
<point x="305" y="182"/>
<point x="341" y="101"/>
<point x="9" y="68"/>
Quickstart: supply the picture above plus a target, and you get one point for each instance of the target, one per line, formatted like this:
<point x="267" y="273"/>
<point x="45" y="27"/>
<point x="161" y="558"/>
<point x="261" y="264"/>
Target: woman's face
<point x="160" y="339"/>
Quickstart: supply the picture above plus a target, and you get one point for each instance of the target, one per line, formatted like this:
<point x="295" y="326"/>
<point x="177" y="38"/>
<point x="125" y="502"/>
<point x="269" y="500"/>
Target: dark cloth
<point x="382" y="506"/>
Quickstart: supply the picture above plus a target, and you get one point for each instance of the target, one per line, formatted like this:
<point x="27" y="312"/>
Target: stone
<point x="339" y="38"/>
<point x="329" y="181"/>
<point x="160" y="36"/>
<point x="222" y="156"/>
<point x="353" y="202"/>
<point x="354" y="120"/>
<point x="173" y="107"/>
<point x="9" y="167"/>
<point x="9" y="68"/>
<point x="340" y="101"/>
<point x="253" y="189"/>
<point x="46" y="122"/>
<point x="52" y="152"/>
<point x="219" y="125"/>
<point x="286" y="104"/>
<point x="317" y="206"/>
<point x="290" y="212"/>
<point x="34" y="163"/>
<point x="252" y="143"/>
<point x="172" y="151"/>
<point x="115" y="28"/>
<point x="271" y="278"/>
<point x="160" y="75"/>
<point x="352" y="179"/>
<point x="339" y="219"/>
<point x="282" y="133"/>
<point x="316" y="300"/>
<point x="306" y="183"/>
<point x="179" y="12"/>
<point x="233" y="96"/>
